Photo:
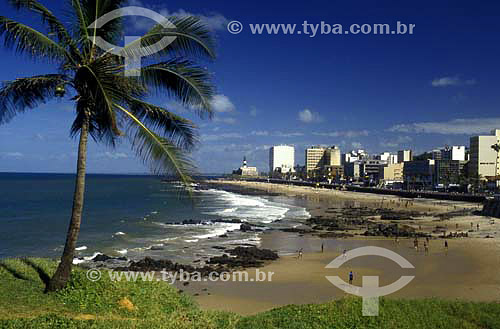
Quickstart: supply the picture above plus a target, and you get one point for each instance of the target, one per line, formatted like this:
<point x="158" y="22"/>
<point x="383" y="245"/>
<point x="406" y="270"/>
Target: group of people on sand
<point x="426" y="245"/>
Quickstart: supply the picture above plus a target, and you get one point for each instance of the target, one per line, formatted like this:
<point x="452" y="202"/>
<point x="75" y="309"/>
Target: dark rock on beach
<point x="245" y="257"/>
<point x="105" y="258"/>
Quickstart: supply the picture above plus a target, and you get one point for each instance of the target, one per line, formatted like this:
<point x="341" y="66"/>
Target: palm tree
<point x="108" y="103"/>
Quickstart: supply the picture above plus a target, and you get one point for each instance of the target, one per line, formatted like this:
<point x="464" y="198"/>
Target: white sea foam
<point x="253" y="208"/>
<point x="85" y="259"/>
<point x="218" y="229"/>
<point x="119" y="233"/>
<point x="81" y="248"/>
<point x="122" y="251"/>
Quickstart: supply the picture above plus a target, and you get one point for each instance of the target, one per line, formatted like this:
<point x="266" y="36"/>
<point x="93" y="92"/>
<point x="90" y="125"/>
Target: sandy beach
<point x="467" y="270"/>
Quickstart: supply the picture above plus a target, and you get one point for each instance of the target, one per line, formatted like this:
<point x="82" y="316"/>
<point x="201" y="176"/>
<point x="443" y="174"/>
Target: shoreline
<point x="467" y="271"/>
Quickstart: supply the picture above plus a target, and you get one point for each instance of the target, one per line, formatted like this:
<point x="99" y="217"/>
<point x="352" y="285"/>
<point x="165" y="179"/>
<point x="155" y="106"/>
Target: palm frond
<point x="159" y="153"/>
<point x="27" y="93"/>
<point x="181" y="132"/>
<point x="55" y="26"/>
<point x="192" y="39"/>
<point x="181" y="79"/>
<point x="28" y="40"/>
<point x="87" y="12"/>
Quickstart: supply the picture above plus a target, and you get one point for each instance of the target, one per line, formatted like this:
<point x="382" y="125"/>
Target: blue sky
<point x="378" y="92"/>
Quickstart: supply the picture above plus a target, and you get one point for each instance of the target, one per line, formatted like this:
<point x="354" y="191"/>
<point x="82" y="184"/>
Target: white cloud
<point x="348" y="133"/>
<point x="452" y="127"/>
<point x="113" y="155"/>
<point x="214" y="137"/>
<point x="276" y="134"/>
<point x="253" y="111"/>
<point x="451" y="81"/>
<point x="357" y="145"/>
<point x="400" y="140"/>
<point x="14" y="155"/>
<point x="222" y="103"/>
<point x="308" y="116"/>
<point x="291" y="134"/>
<point x="214" y="21"/>
<point x="229" y="121"/>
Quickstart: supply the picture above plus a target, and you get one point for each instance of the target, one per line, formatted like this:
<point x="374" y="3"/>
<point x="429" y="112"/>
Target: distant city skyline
<point x="438" y="86"/>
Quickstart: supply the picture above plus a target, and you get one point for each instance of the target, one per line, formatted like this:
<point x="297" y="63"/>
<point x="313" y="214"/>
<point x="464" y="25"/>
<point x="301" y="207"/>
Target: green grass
<point x="85" y="304"/>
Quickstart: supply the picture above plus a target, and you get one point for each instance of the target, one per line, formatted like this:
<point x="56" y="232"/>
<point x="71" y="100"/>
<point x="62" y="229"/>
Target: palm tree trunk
<point x="63" y="272"/>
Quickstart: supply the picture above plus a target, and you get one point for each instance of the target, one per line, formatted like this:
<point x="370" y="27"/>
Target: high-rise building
<point x="281" y="158"/>
<point x="455" y="153"/>
<point x="405" y="156"/>
<point x="314" y="157"/>
<point x="332" y="156"/>
<point x="484" y="160"/>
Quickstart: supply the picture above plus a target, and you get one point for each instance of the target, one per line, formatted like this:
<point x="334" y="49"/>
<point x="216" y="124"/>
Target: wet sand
<point x="469" y="270"/>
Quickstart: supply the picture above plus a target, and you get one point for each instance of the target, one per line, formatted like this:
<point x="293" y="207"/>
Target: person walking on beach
<point x="351" y="277"/>
<point x="415" y="244"/>
<point x="322" y="247"/>
<point x="344" y="254"/>
<point x="300" y="253"/>
<point x="477" y="226"/>
<point x="446" y="246"/>
<point x="426" y="248"/>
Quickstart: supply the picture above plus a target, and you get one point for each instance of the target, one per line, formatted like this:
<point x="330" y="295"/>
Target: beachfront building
<point x="245" y="170"/>
<point x="419" y="174"/>
<point x="484" y="160"/>
<point x="456" y="153"/>
<point x="391" y="174"/>
<point x="281" y="159"/>
<point x="370" y="169"/>
<point x="324" y="164"/>
<point x="352" y="170"/>
<point x="353" y="156"/>
<point x="314" y="157"/>
<point x="387" y="157"/>
<point x="405" y="156"/>
<point x="449" y="172"/>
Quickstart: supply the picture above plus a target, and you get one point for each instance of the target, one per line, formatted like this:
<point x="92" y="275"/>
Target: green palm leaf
<point x="28" y="40"/>
<point x="55" y="26"/>
<point x="27" y="93"/>
<point x="159" y="153"/>
<point x="183" y="80"/>
<point x="177" y="129"/>
<point x="192" y="38"/>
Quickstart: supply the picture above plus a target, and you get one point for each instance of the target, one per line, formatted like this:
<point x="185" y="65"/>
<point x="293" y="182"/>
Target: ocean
<point x="132" y="216"/>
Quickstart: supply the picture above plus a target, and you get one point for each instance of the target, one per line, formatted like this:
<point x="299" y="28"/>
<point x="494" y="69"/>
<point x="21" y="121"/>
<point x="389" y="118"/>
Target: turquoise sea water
<point x="131" y="216"/>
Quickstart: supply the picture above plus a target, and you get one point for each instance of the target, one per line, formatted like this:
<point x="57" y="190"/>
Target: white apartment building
<point x="484" y="160"/>
<point x="405" y="156"/>
<point x="281" y="158"/>
<point x="332" y="156"/>
<point x="453" y="153"/>
<point x="388" y="157"/>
